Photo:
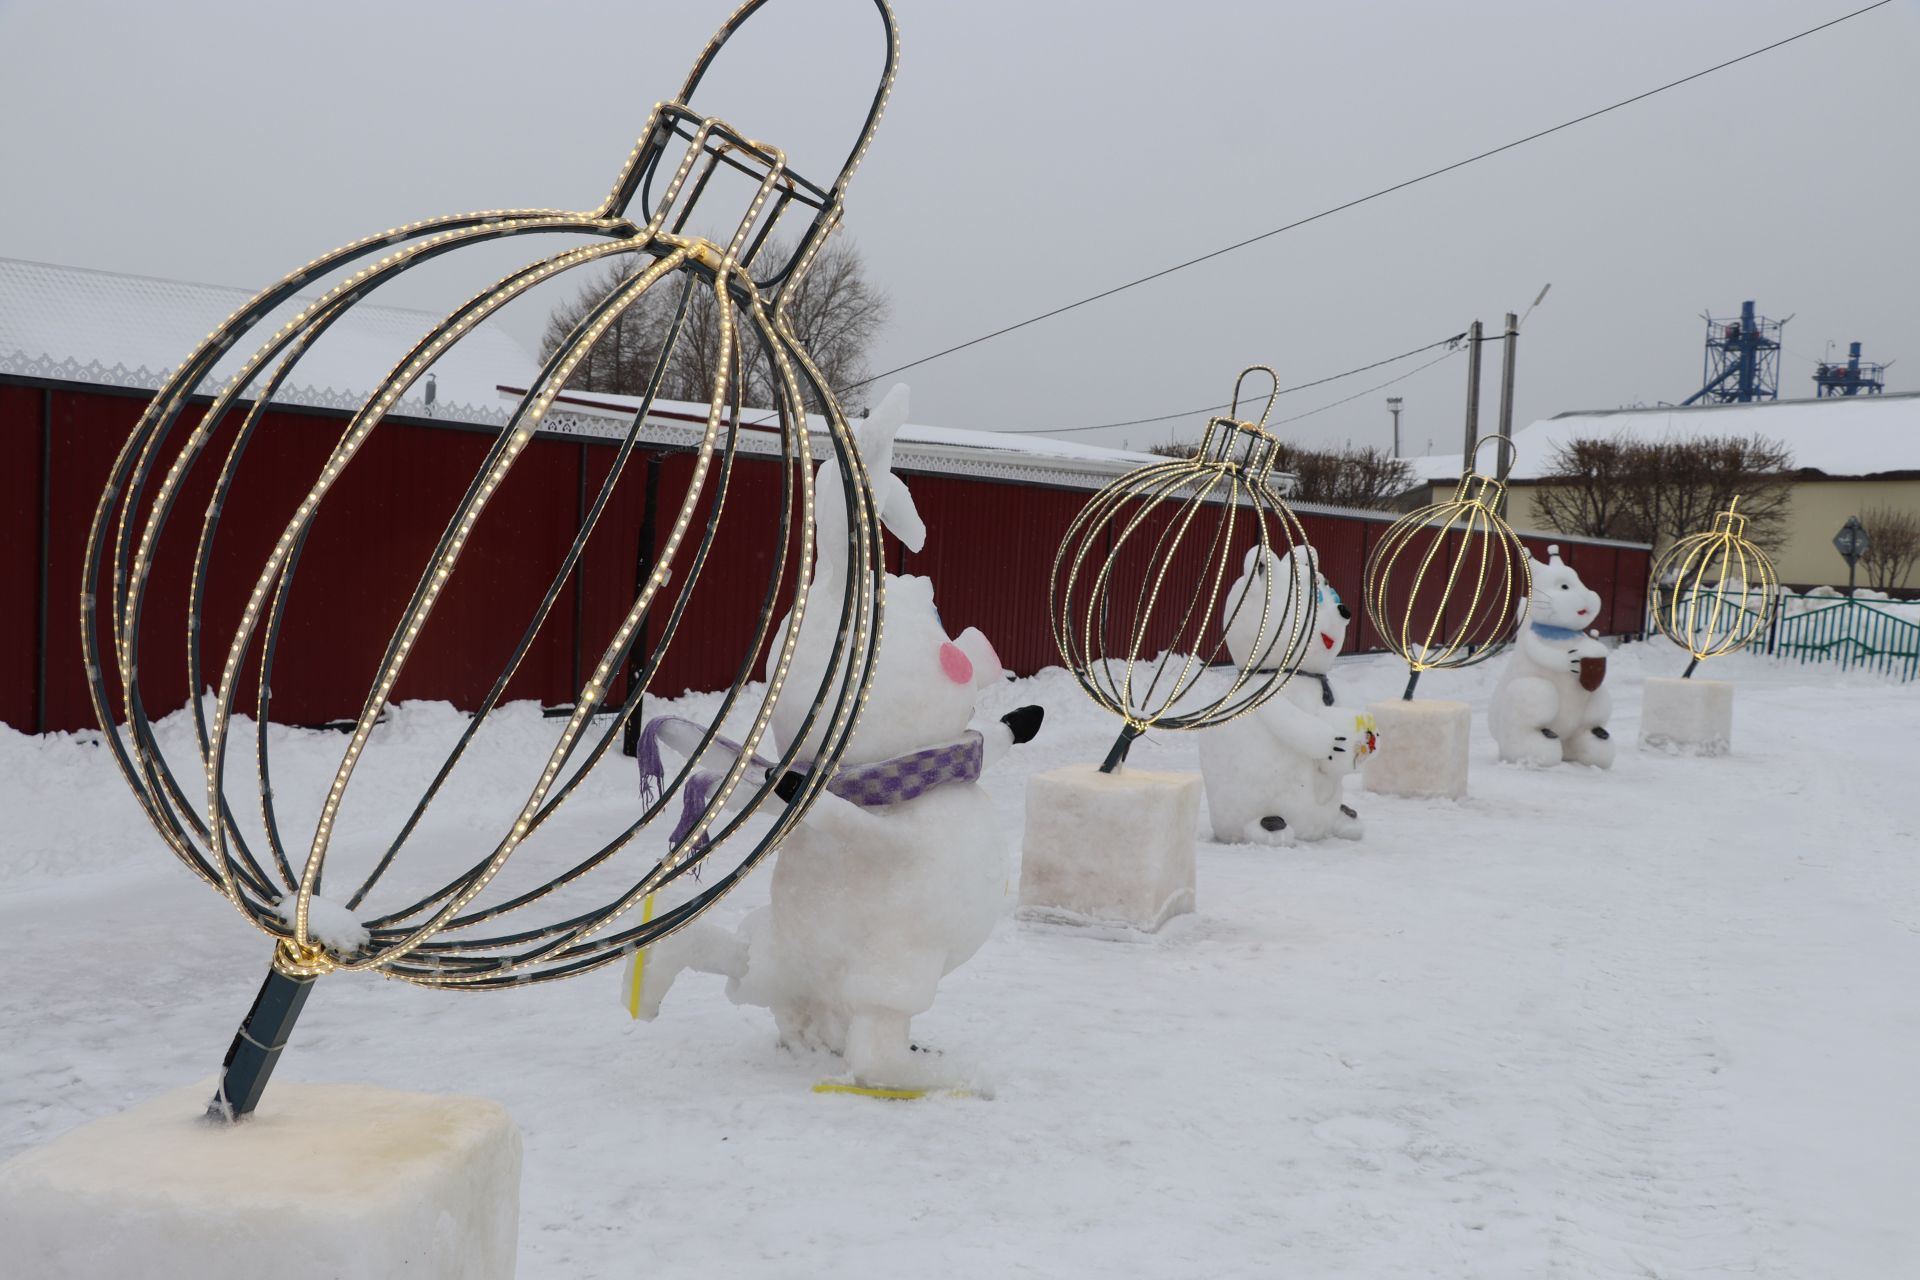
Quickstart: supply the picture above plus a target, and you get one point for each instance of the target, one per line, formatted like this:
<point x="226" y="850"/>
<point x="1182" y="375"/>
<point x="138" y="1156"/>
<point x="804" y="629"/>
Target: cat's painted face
<point x="1560" y="599"/>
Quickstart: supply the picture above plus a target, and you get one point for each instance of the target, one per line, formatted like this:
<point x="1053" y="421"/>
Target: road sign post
<point x="1852" y="543"/>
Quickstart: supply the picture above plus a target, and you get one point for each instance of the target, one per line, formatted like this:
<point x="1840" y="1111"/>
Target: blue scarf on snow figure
<point x="1555" y="633"/>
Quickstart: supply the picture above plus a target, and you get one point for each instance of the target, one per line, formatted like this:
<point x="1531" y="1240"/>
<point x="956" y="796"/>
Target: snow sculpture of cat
<point x="874" y="898"/>
<point x="1273" y="776"/>
<point x="1549" y="704"/>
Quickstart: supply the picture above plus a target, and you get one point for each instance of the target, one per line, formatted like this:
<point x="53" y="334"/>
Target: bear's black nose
<point x="1346" y="614"/>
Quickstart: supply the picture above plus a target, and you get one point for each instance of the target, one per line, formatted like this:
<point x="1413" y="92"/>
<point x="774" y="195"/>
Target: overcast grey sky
<point x="1039" y="151"/>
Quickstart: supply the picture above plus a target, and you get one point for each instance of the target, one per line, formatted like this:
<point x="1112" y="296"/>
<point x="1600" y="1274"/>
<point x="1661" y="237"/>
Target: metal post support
<point x="1473" y="393"/>
<point x="256" y="1046"/>
<point x="1118" y="754"/>
<point x="1510" y="348"/>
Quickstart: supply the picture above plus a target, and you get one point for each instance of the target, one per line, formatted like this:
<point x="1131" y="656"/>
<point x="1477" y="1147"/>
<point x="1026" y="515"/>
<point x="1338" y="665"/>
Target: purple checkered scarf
<point x="871" y="786"/>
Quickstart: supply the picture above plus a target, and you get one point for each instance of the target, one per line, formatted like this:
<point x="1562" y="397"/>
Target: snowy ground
<point x="1657" y="1023"/>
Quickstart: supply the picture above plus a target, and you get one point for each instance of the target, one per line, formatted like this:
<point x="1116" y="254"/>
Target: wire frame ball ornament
<point x="1704" y="586"/>
<point x="1448" y="585"/>
<point x="444" y="934"/>
<point x="1142" y="567"/>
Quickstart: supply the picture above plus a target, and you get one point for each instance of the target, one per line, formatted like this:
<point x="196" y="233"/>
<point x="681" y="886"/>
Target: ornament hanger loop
<point x="881" y="93"/>
<point x="1502" y="461"/>
<point x="1271" y="396"/>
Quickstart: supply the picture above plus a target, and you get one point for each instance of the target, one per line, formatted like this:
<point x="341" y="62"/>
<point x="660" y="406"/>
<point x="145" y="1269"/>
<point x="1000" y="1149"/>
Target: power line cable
<point x="1445" y="355"/>
<point x="1456" y="339"/>
<point x="1374" y="195"/>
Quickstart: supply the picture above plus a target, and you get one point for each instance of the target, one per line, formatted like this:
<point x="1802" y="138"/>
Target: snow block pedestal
<point x="1423" y="748"/>
<point x="1687" y="717"/>
<point x="335" y="1181"/>
<point x="1110" y="848"/>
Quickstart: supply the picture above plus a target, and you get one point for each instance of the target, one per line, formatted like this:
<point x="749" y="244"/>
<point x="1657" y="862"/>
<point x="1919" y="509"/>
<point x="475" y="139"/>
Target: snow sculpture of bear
<point x="1273" y="776"/>
<point x="874" y="898"/>
<point x="1549" y="704"/>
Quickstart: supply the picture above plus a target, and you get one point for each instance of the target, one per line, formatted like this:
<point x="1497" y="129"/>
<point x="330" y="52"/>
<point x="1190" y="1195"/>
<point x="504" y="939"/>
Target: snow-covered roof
<point x="81" y="325"/>
<point x="1839" y="436"/>
<point x="1000" y="454"/>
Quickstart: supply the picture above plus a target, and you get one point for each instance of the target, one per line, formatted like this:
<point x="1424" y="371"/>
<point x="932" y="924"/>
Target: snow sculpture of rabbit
<point x="1273" y="776"/>
<point x="1549" y="704"/>
<point x="898" y="873"/>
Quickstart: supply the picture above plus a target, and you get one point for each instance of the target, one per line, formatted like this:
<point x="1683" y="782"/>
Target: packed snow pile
<point x="1653" y="1022"/>
<point x="331" y="1182"/>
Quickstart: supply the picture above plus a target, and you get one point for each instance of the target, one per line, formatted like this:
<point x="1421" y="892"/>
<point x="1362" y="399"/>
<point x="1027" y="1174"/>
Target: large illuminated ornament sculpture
<point x="1143" y="565"/>
<point x="1714" y="593"/>
<point x="1442" y="587"/>
<point x="447" y="930"/>
<point x="1135" y="600"/>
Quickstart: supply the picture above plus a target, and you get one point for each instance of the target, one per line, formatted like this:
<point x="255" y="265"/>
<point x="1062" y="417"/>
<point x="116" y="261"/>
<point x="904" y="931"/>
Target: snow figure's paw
<point x="646" y="978"/>
<point x="1271" y="830"/>
<point x="1347" y="824"/>
<point x="1534" y="750"/>
<point x="917" y="1073"/>
<point x="649" y="972"/>
<point x="1591" y="748"/>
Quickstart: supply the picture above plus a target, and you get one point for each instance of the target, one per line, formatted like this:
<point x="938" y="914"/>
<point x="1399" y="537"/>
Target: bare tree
<point x="1661" y="491"/>
<point x="836" y="313"/>
<point x="1677" y="487"/>
<point x="1364" y="478"/>
<point x="1367" y="479"/>
<point x="1584" y="489"/>
<point x="1894" y="546"/>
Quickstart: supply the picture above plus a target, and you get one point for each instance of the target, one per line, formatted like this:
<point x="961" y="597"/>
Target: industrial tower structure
<point x="1850" y="379"/>
<point x="1743" y="359"/>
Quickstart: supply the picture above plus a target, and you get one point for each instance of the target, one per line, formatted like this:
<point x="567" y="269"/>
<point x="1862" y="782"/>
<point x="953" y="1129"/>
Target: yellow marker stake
<point x="638" y="968"/>
<point x="896" y="1095"/>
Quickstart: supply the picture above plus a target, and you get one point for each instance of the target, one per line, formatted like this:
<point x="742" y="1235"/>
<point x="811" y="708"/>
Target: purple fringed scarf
<point x="871" y="786"/>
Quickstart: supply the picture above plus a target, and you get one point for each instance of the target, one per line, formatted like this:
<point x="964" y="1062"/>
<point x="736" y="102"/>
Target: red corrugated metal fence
<point x="989" y="550"/>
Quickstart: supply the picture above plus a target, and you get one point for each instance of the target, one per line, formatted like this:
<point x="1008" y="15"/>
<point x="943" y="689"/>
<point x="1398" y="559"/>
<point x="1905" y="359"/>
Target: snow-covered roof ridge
<point x="110" y="328"/>
<point x="997" y="454"/>
<point x="1838" y="436"/>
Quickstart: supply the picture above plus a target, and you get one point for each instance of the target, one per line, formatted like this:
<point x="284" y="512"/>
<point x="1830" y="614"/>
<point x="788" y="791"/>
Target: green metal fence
<point x="1855" y="634"/>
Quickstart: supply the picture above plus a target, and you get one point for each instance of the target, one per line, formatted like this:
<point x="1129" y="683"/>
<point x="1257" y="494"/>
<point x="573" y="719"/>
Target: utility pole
<point x="1473" y="395"/>
<point x="1393" y="407"/>
<point x="1510" y="347"/>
